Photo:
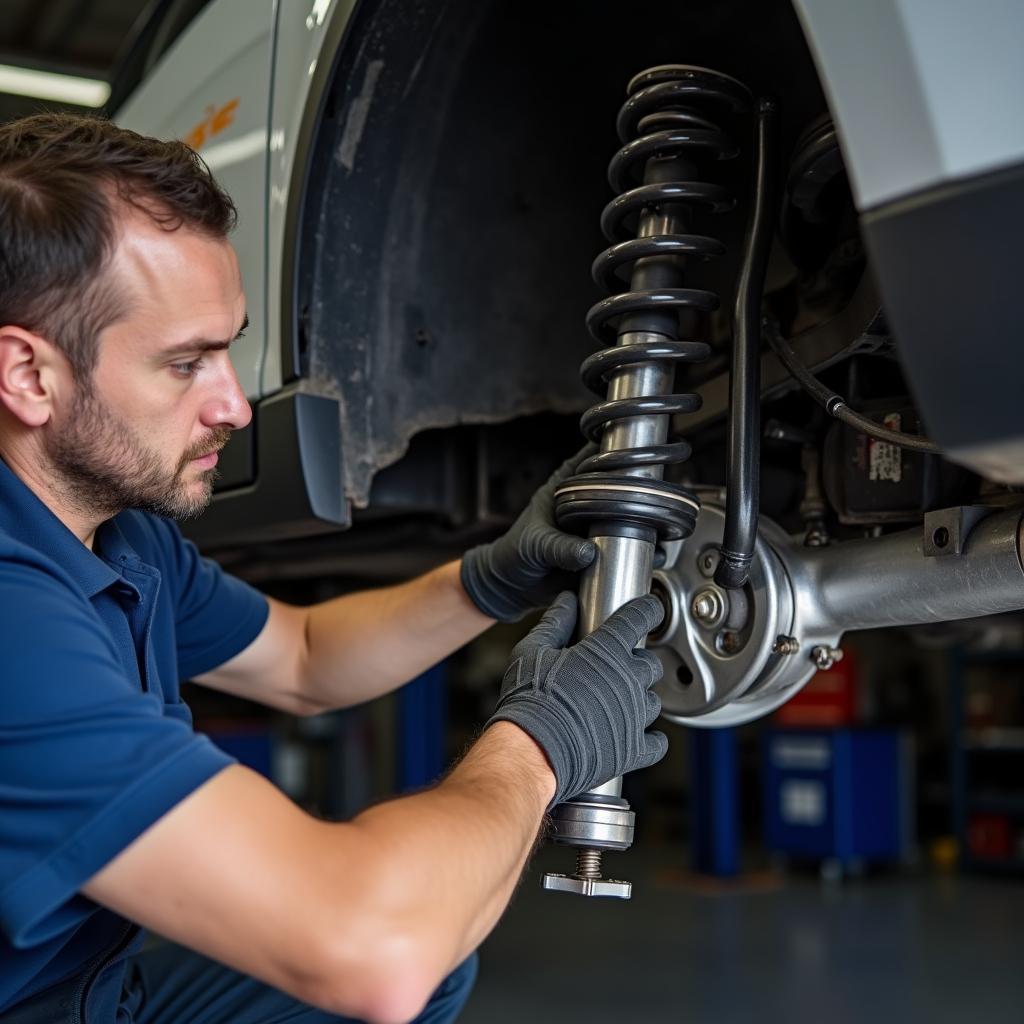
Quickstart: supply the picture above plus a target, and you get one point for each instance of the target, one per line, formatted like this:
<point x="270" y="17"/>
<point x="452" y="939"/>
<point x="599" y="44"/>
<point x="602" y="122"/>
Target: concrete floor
<point x="766" y="950"/>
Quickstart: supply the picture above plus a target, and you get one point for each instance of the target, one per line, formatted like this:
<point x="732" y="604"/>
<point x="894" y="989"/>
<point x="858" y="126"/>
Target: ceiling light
<point x="47" y="85"/>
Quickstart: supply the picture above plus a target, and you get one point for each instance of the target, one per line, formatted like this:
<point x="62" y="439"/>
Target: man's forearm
<point x="453" y="854"/>
<point x="361" y="918"/>
<point x="379" y="909"/>
<point x="369" y="643"/>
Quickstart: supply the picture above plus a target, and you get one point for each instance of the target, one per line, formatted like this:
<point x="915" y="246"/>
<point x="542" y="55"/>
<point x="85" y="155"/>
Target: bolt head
<point x="727" y="643"/>
<point x="825" y="657"/>
<point x="707" y="607"/>
<point x="785" y="645"/>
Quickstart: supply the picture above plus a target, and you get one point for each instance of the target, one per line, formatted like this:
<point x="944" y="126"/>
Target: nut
<point x="708" y="607"/>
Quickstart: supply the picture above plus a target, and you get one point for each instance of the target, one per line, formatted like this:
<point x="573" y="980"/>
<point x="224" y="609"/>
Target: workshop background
<point x="857" y="855"/>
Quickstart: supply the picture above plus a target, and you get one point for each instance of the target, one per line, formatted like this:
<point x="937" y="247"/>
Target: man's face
<point x="143" y="432"/>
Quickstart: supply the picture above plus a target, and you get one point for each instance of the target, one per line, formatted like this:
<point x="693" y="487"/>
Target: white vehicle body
<point x="419" y="187"/>
<point x="259" y="55"/>
<point x="910" y="118"/>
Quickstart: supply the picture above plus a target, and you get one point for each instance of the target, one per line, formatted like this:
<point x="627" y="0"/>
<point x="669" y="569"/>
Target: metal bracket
<point x="588" y="886"/>
<point x="946" y="529"/>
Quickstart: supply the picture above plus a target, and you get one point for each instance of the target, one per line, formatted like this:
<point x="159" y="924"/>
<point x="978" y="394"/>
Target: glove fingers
<point x="563" y="551"/>
<point x="634" y="620"/>
<point x="653" y="663"/>
<point x="655" y="748"/>
<point x="556" y="626"/>
<point x="653" y="708"/>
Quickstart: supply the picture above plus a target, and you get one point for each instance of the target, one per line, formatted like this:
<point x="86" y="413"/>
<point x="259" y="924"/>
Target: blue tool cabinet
<point x="843" y="796"/>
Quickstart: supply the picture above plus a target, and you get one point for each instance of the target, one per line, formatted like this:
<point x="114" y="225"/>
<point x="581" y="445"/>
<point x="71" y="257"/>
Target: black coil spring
<point x="667" y="115"/>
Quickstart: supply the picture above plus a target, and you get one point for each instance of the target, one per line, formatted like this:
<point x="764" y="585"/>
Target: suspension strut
<point x="620" y="497"/>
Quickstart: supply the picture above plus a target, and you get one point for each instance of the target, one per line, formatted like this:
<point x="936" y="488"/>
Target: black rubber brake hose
<point x="744" y="445"/>
<point x="835" y="405"/>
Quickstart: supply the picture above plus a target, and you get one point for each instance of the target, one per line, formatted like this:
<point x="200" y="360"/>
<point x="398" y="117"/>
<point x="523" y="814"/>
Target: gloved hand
<point x="588" y="706"/>
<point x="527" y="566"/>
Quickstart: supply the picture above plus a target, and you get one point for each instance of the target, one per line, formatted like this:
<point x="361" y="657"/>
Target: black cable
<point x="744" y="442"/>
<point x="835" y="405"/>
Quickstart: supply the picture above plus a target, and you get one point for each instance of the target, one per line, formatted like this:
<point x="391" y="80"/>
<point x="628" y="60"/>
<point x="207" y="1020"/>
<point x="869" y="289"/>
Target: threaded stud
<point x="588" y="864"/>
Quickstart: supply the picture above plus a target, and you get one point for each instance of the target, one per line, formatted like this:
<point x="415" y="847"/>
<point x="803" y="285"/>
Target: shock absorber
<point x="620" y="498"/>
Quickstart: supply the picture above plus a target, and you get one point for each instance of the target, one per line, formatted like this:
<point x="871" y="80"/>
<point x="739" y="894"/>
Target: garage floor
<point x="764" y="950"/>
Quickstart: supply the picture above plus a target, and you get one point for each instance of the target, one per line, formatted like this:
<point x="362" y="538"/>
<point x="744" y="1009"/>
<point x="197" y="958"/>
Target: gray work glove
<point x="588" y="706"/>
<point x="527" y="566"/>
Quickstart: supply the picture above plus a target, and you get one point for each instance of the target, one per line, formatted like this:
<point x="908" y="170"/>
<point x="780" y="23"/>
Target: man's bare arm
<point x="355" y="647"/>
<point x="363" y="918"/>
<point x="362" y="645"/>
<point x="366" y="918"/>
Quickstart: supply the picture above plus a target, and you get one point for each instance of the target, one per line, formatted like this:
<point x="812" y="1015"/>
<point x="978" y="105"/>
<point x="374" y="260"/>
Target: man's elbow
<point x="382" y="980"/>
<point x="300" y="700"/>
<point x="304" y="707"/>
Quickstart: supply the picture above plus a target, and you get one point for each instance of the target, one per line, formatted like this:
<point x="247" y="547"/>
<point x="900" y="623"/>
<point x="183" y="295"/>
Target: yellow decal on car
<point x="215" y="121"/>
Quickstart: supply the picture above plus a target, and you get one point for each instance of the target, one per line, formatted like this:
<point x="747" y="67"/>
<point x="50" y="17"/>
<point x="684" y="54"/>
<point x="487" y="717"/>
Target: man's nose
<point x="227" y="405"/>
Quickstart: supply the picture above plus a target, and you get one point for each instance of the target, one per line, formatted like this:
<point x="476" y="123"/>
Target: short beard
<point x="103" y="467"/>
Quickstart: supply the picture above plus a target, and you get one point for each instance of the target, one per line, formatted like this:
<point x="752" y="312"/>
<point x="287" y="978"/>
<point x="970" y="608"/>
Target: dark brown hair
<point x="61" y="178"/>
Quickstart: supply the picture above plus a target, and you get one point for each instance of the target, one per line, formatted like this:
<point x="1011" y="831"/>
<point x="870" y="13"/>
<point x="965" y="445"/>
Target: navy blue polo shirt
<point x="96" y="743"/>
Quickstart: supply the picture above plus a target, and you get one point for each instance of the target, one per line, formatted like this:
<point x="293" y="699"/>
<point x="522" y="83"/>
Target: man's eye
<point x="189" y="369"/>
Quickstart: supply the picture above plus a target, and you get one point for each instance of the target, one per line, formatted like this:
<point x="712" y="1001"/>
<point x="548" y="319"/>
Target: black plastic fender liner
<point x="948" y="264"/>
<point x="335" y="53"/>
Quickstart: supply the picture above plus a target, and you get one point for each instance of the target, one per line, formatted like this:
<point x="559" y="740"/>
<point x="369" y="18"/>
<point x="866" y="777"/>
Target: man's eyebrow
<point x="204" y="344"/>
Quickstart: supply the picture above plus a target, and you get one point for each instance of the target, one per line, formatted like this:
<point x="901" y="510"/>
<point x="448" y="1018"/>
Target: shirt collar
<point x="27" y="519"/>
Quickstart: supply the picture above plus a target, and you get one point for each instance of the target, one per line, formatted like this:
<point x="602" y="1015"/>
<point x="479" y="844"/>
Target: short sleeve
<point x="87" y="761"/>
<point x="216" y="615"/>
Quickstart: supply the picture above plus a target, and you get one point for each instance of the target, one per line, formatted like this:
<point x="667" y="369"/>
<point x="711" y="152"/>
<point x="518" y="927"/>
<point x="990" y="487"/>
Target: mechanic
<point x="119" y="297"/>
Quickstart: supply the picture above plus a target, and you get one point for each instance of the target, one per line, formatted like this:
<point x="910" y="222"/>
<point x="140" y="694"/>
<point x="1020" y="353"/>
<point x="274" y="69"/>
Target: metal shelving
<point x="970" y="748"/>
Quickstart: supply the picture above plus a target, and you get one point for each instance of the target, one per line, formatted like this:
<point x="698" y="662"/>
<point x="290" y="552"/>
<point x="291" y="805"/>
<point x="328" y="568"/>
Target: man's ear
<point x="32" y="371"/>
